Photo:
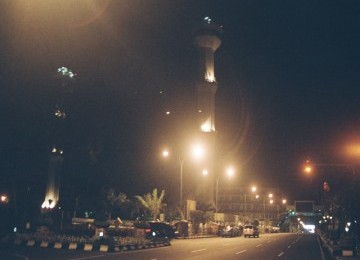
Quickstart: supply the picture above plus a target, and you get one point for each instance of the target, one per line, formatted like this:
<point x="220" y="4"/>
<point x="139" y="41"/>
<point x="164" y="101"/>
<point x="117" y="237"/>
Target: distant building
<point x="267" y="204"/>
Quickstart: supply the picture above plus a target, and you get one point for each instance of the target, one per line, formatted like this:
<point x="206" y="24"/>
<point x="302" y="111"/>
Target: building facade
<point x="267" y="204"/>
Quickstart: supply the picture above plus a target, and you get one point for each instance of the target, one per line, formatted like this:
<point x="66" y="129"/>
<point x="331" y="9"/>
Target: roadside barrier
<point x="336" y="250"/>
<point x="84" y="247"/>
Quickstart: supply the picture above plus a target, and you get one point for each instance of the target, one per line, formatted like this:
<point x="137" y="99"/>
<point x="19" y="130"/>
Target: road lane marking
<point x="259" y="245"/>
<point x="268" y="241"/>
<point x="243" y="251"/>
<point x="88" y="257"/>
<point x="289" y="246"/>
<point x="195" y="251"/>
<point x="20" y="256"/>
<point x="279" y="255"/>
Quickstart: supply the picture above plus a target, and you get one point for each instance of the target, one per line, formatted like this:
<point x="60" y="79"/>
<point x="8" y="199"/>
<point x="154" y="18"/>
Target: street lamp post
<point x="230" y="172"/>
<point x="217" y="194"/>
<point x="181" y="160"/>
<point x="308" y="167"/>
<point x="197" y="151"/>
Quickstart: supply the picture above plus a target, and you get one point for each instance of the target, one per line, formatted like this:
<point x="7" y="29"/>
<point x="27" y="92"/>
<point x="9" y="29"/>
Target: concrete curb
<point x="83" y="246"/>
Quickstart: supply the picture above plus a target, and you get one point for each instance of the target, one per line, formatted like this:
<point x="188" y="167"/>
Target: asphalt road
<point x="268" y="246"/>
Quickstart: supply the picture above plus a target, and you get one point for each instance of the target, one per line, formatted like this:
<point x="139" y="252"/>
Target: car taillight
<point x="148" y="230"/>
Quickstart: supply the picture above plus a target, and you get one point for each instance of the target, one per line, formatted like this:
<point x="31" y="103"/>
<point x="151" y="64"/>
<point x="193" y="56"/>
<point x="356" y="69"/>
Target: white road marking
<point x="22" y="256"/>
<point x="280" y="254"/>
<point x="289" y="246"/>
<point x="268" y="241"/>
<point x="240" y="252"/>
<point x="259" y="245"/>
<point x="195" y="251"/>
<point x="88" y="257"/>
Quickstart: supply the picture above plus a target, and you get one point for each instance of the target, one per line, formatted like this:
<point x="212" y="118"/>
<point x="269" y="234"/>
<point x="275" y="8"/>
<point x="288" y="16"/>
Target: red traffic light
<point x="326" y="186"/>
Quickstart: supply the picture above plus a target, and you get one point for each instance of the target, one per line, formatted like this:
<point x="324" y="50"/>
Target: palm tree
<point x="152" y="202"/>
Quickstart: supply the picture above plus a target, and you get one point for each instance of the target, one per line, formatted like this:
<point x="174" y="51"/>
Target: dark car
<point x="160" y="230"/>
<point x="251" y="231"/>
<point x="230" y="231"/>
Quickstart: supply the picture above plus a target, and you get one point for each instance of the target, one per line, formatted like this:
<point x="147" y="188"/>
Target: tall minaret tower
<point x="56" y="156"/>
<point x="207" y="38"/>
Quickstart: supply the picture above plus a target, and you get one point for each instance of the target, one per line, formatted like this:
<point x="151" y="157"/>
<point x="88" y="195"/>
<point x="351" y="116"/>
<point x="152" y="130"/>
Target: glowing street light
<point x="205" y="172"/>
<point x="230" y="172"/>
<point x="165" y="153"/>
<point x="197" y="152"/>
<point x="308" y="166"/>
<point x="4" y="198"/>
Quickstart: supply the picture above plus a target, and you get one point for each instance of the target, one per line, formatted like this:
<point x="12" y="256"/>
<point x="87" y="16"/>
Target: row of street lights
<point x="270" y="196"/>
<point x="198" y="153"/>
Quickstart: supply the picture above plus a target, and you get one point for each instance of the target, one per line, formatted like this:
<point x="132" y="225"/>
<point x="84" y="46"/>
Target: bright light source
<point x="307" y="169"/>
<point x="4" y="199"/>
<point x="270" y="195"/>
<point x="284" y="201"/>
<point x="209" y="77"/>
<point x="309" y="228"/>
<point x="206" y="127"/>
<point x="230" y="171"/>
<point x="165" y="153"/>
<point x="205" y="172"/>
<point x="253" y="188"/>
<point x="198" y="151"/>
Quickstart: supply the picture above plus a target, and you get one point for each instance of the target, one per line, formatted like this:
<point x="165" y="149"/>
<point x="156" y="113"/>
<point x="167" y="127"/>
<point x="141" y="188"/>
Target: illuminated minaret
<point x="207" y="38"/>
<point x="56" y="156"/>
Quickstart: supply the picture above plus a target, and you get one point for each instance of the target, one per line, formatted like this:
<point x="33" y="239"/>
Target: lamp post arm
<point x="337" y="165"/>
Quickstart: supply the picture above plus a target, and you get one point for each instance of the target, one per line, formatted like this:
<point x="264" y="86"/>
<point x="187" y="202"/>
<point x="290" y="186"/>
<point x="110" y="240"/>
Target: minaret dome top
<point x="208" y="27"/>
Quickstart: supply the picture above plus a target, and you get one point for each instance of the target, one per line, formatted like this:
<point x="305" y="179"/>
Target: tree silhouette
<point x="152" y="202"/>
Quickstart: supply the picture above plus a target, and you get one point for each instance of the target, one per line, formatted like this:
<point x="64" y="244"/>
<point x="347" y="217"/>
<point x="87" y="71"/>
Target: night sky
<point x="288" y="76"/>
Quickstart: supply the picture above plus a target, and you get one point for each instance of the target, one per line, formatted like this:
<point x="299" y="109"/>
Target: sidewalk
<point x="341" y="250"/>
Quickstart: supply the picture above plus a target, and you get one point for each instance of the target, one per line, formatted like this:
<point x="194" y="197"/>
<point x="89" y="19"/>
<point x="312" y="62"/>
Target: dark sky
<point x="288" y="75"/>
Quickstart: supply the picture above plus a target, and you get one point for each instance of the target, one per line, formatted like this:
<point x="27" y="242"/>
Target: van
<point x="251" y="231"/>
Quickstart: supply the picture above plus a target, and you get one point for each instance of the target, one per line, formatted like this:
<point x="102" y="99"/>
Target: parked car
<point x="160" y="230"/>
<point x="251" y="231"/>
<point x="230" y="231"/>
<point x="275" y="229"/>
